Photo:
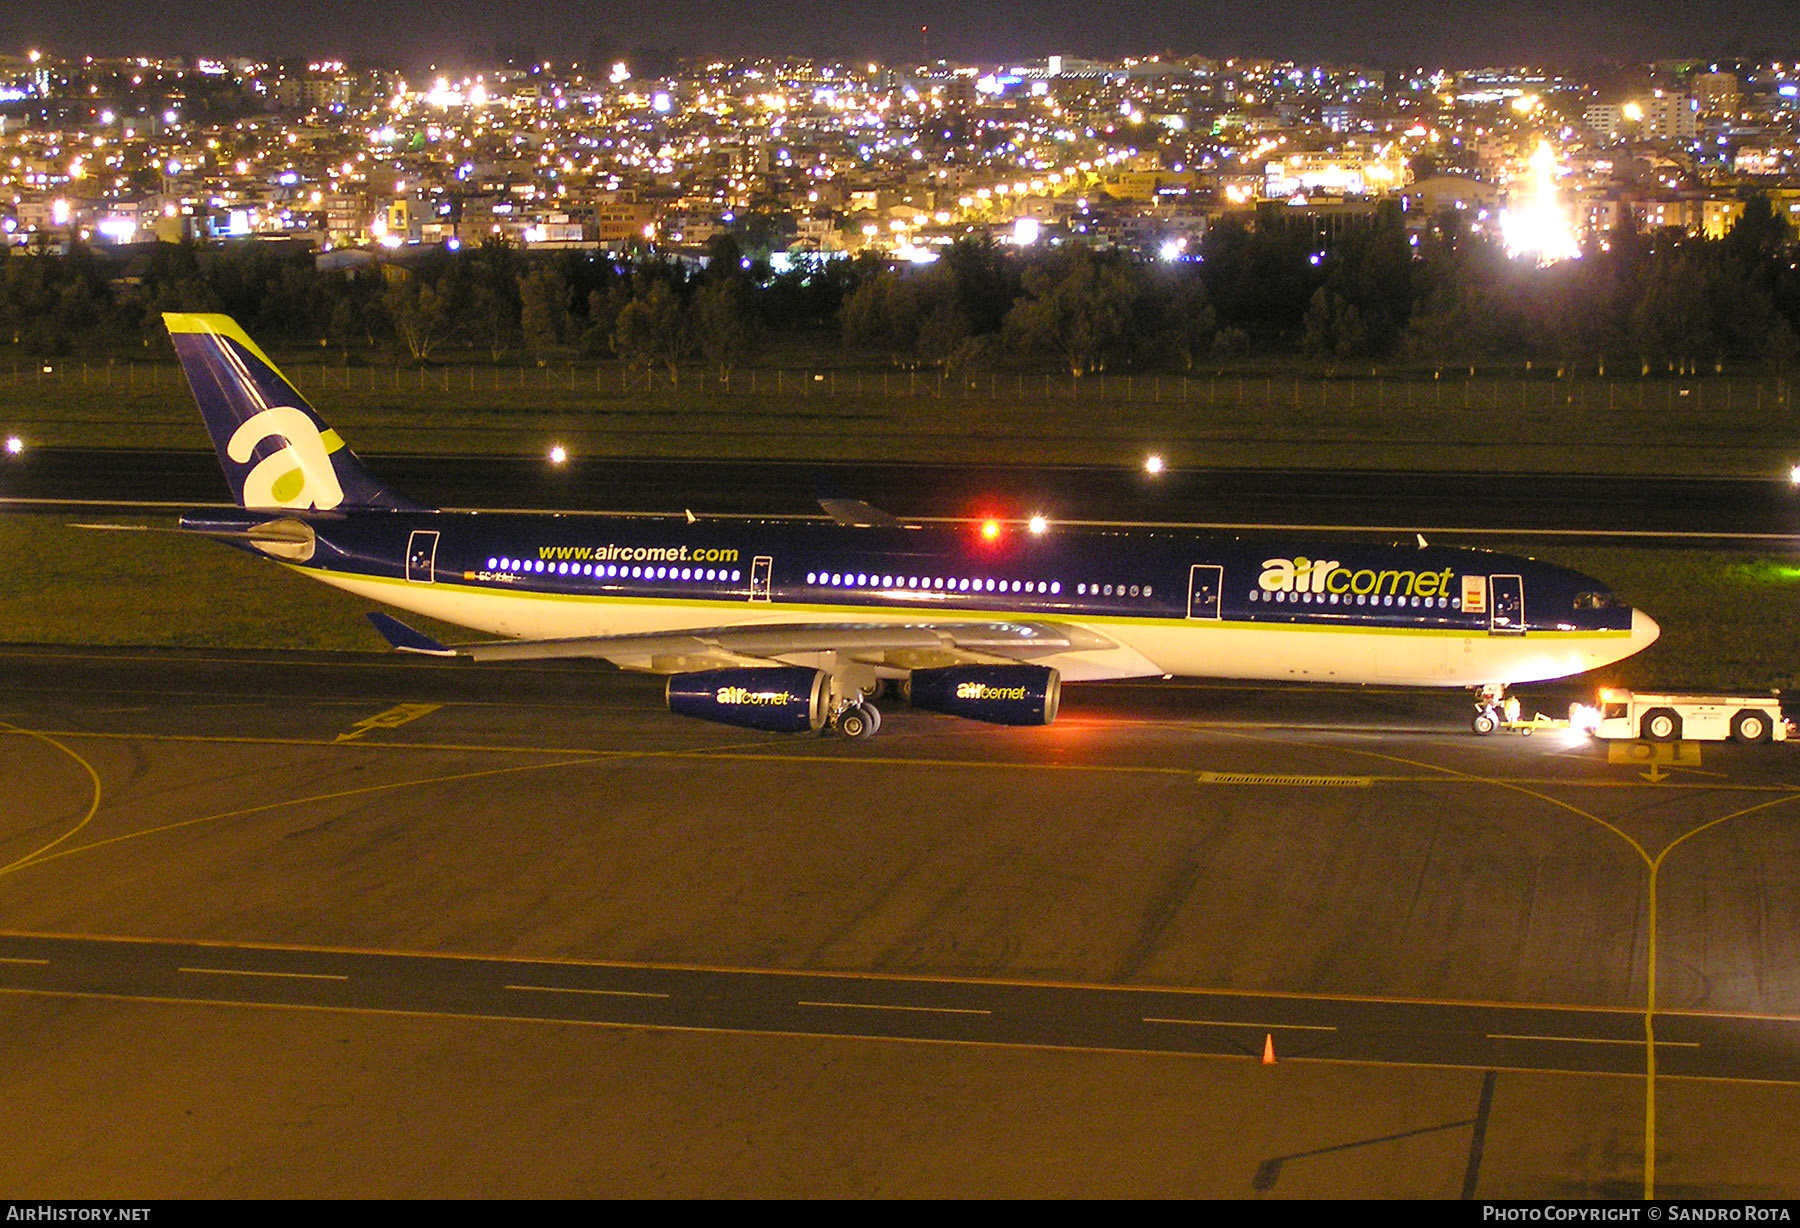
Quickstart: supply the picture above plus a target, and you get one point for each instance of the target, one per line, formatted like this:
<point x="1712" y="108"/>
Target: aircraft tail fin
<point x="276" y="451"/>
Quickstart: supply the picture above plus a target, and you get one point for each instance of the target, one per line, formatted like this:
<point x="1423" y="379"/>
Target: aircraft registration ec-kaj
<point x="799" y="625"/>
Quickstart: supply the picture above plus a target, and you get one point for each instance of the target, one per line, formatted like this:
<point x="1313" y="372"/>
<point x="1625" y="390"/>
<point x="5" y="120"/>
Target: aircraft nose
<point x="1643" y="630"/>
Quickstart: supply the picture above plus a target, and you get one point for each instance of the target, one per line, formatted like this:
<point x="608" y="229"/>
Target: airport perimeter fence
<point x="1459" y="389"/>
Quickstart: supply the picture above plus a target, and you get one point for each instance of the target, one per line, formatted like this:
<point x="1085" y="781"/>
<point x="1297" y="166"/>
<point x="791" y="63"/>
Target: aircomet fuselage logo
<point x="1303" y="575"/>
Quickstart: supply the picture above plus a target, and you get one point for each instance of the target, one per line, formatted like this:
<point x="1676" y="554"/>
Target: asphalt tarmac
<point x="289" y="924"/>
<point x="1594" y="506"/>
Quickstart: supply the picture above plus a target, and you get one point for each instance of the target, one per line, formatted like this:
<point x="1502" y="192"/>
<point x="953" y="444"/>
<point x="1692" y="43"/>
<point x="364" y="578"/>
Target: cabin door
<point x="1205" y="580"/>
<point x="760" y="568"/>
<point x="421" y="556"/>
<point x="1506" y="605"/>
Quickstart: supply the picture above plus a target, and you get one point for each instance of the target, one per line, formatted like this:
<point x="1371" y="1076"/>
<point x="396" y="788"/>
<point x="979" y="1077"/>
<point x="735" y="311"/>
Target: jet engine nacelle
<point x="786" y="699"/>
<point x="998" y="694"/>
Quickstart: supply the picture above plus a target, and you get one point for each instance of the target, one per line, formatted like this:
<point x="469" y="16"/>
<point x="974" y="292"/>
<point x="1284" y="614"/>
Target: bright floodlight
<point x="1153" y="463"/>
<point x="1793" y="474"/>
<point x="558" y="454"/>
<point x="1037" y="524"/>
<point x="15" y="445"/>
<point x="1536" y="223"/>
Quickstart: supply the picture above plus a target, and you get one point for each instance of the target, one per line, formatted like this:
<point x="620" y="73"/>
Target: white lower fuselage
<point x="1212" y="648"/>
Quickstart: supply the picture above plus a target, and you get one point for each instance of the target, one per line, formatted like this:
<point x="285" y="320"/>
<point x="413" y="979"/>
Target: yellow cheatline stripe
<point x="931" y="614"/>
<point x="93" y="807"/>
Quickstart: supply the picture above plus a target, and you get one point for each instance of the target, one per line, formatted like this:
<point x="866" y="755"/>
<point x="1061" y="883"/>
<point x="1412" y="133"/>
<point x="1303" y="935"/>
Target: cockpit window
<point x="1595" y="601"/>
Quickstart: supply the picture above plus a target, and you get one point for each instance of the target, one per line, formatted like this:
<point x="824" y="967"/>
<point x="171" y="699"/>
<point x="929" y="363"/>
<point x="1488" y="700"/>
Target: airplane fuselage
<point x="1224" y="606"/>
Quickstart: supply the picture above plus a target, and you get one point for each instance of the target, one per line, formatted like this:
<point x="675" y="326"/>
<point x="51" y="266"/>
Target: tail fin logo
<point x="300" y="475"/>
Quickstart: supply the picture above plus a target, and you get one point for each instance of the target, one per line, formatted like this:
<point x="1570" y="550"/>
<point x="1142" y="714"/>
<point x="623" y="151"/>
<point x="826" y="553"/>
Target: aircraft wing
<point x="923" y="645"/>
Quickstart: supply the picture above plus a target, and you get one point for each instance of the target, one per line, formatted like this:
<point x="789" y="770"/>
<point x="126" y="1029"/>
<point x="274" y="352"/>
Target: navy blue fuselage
<point x="1066" y="573"/>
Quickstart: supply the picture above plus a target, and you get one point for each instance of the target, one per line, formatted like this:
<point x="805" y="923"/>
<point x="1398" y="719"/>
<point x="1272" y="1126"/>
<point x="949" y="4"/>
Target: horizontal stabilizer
<point x="407" y="639"/>
<point x="281" y="539"/>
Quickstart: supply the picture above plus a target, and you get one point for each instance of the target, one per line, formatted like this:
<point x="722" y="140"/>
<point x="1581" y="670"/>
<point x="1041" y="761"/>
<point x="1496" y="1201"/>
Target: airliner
<point x="798" y="625"/>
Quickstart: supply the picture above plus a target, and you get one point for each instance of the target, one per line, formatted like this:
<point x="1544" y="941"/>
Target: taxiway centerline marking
<point x="292" y="976"/>
<point x="1244" y="1023"/>
<point x="883" y="1006"/>
<point x="598" y="993"/>
<point x="877" y="1038"/>
<point x="1594" y="1040"/>
<point x="884" y="978"/>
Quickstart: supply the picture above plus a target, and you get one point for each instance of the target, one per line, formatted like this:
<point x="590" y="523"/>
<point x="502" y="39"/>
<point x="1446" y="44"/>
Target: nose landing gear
<point x="1493" y="708"/>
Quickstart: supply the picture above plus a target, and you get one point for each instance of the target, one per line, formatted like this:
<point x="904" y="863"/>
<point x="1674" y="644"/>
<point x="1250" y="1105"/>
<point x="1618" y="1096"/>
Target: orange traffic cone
<point x="1268" y="1049"/>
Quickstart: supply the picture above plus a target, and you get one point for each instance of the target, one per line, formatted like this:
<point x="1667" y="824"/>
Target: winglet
<point x="405" y="639"/>
<point x="855" y="514"/>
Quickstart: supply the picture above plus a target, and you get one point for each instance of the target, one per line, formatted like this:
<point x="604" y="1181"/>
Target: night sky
<point x="454" y="32"/>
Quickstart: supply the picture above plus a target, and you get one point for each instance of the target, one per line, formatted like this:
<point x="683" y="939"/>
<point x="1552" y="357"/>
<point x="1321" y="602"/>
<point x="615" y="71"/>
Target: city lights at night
<point x="1022" y="601"/>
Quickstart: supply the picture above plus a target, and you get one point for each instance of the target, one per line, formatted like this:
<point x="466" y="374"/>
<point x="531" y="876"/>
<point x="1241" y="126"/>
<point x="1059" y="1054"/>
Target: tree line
<point x="1371" y="289"/>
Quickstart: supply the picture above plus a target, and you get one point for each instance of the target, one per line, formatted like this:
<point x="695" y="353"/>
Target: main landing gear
<point x="854" y="690"/>
<point x="857" y="721"/>
<point x="1493" y="709"/>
